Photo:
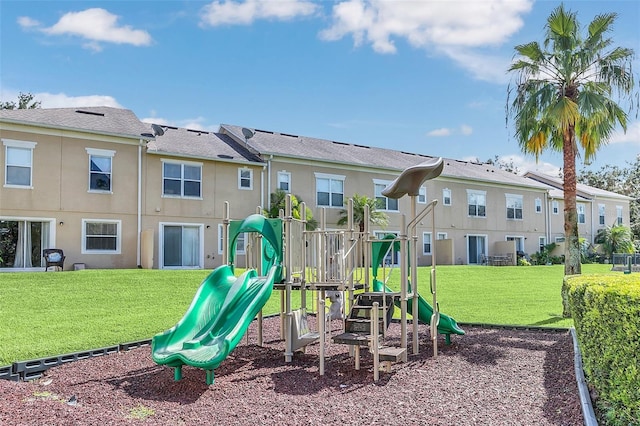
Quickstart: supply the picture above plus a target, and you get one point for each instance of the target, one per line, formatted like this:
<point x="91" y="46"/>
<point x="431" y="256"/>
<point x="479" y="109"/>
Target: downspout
<point x="269" y="182"/>
<point x="547" y="214"/>
<point x="139" y="209"/>
<point x="262" y="187"/>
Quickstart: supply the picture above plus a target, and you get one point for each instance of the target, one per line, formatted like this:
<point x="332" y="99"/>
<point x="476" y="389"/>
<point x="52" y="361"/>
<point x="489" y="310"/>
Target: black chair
<point x="53" y="257"/>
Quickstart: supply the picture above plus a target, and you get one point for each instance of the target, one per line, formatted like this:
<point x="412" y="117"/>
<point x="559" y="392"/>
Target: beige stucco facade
<point x="135" y="221"/>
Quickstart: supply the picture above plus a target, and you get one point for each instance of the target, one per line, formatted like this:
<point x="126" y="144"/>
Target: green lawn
<point x="46" y="313"/>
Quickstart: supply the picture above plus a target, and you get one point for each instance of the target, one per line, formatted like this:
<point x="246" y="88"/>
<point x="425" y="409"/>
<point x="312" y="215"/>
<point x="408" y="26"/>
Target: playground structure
<point x="281" y="255"/>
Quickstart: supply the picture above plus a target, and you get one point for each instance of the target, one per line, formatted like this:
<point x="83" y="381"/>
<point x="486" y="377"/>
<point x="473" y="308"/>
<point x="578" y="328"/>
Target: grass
<point x="45" y="314"/>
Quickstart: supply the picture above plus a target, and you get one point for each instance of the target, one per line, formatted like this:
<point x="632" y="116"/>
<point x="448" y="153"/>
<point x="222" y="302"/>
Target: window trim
<point x="602" y="209"/>
<point x="430" y="252"/>
<point x="514" y="197"/>
<point x="619" y="215"/>
<point x="477" y="192"/>
<point x="380" y="182"/>
<point x="581" y="207"/>
<point x="182" y="180"/>
<point x="555" y="207"/>
<point x="12" y="143"/>
<point x="537" y="205"/>
<point x="201" y="260"/>
<point x="245" y="169"/>
<point x="221" y="242"/>
<point x="104" y="153"/>
<point x="444" y="198"/>
<point x="341" y="178"/>
<point x="118" y="249"/>
<point x="422" y="192"/>
<point x="288" y="175"/>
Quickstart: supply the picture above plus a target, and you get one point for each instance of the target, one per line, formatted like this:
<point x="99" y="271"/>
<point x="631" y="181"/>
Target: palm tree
<point x="359" y="202"/>
<point x="563" y="100"/>
<point x="615" y="239"/>
<point x="278" y="201"/>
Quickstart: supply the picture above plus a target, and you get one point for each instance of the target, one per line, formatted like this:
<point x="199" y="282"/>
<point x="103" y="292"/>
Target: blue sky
<point x="420" y="76"/>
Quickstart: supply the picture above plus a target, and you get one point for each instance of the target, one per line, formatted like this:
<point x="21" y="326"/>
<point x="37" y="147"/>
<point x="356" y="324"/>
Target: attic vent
<point x="291" y="136"/>
<point x="199" y="132"/>
<point x="407" y="153"/>
<point x="340" y="143"/>
<point x="225" y="156"/>
<point x="81" y="111"/>
<point x="362" y="146"/>
<point x="171" y="127"/>
<point x="264" y="131"/>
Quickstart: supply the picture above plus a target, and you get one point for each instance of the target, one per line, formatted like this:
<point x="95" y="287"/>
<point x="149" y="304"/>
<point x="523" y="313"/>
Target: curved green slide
<point x="446" y="325"/>
<point x="222" y="309"/>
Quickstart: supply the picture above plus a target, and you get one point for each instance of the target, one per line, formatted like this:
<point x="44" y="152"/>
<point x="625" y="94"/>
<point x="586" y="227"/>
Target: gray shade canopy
<point x="411" y="178"/>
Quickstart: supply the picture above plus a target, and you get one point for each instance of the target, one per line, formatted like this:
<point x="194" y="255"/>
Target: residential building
<point x="114" y="192"/>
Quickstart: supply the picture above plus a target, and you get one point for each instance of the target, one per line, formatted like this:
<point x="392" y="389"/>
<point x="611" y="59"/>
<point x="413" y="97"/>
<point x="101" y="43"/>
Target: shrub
<point x="606" y="314"/>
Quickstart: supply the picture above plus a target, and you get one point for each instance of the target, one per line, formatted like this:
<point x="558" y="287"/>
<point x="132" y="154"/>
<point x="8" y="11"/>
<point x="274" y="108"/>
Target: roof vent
<point x="81" y="111"/>
<point x="225" y="156"/>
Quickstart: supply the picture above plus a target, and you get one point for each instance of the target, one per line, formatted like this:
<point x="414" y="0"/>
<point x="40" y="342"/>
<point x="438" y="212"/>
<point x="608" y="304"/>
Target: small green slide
<point x="446" y="324"/>
<point x="222" y="308"/>
<point x="218" y="317"/>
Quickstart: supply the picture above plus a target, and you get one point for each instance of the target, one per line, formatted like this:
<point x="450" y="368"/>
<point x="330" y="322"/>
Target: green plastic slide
<point x="380" y="249"/>
<point x="215" y="322"/>
<point x="446" y="325"/>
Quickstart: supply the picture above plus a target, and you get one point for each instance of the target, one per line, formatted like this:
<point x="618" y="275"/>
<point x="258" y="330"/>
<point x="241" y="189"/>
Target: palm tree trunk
<point x="572" y="265"/>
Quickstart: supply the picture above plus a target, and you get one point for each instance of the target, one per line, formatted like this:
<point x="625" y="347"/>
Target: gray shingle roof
<point x="303" y="147"/>
<point x="200" y="144"/>
<point x="583" y="191"/>
<point x="114" y="121"/>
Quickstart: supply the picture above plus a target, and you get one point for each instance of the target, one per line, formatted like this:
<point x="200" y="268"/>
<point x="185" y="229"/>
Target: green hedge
<point x="606" y="314"/>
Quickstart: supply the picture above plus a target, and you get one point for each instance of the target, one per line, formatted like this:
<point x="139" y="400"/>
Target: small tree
<point x="615" y="239"/>
<point x="25" y="101"/>
<point x="278" y="202"/>
<point x="376" y="217"/>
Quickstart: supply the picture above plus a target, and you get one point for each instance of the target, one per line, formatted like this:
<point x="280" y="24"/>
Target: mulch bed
<point x="490" y="376"/>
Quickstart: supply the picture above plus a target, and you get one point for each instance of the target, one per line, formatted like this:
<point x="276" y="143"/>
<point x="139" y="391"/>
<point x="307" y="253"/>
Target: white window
<point x="519" y="241"/>
<point x="477" y="203"/>
<point x="329" y="190"/>
<point x="284" y="181"/>
<point x="555" y="209"/>
<point x="383" y="202"/>
<point x="446" y="197"/>
<point x="514" y="206"/>
<point x="100" y="169"/>
<point x="19" y="162"/>
<point x="619" y="215"/>
<point x="422" y="195"/>
<point x="538" y="205"/>
<point x="180" y="179"/>
<point x="426" y="243"/>
<point x="441" y="235"/>
<point x="559" y="240"/>
<point x="601" y="210"/>
<point x="542" y="241"/>
<point x="581" y="215"/>
<point x="245" y="178"/>
<point x="240" y="242"/>
<point x="101" y="236"/>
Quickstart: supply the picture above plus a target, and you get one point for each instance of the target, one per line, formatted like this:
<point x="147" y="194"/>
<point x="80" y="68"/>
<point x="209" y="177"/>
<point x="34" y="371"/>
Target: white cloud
<point x="466" y="130"/>
<point x="451" y="28"/>
<point x="198" y="123"/>
<point x="61" y="100"/>
<point x="632" y="136"/>
<point x="26" y="23"/>
<point x="440" y="132"/>
<point x="243" y="13"/>
<point x="525" y="164"/>
<point x="95" y="25"/>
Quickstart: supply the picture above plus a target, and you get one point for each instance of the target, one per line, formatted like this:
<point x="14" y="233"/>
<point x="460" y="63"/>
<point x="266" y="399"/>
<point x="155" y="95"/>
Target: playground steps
<point x="359" y="319"/>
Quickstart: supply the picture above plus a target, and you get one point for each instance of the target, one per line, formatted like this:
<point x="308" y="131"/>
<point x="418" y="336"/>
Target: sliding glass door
<point x="22" y="242"/>
<point x="181" y="246"/>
